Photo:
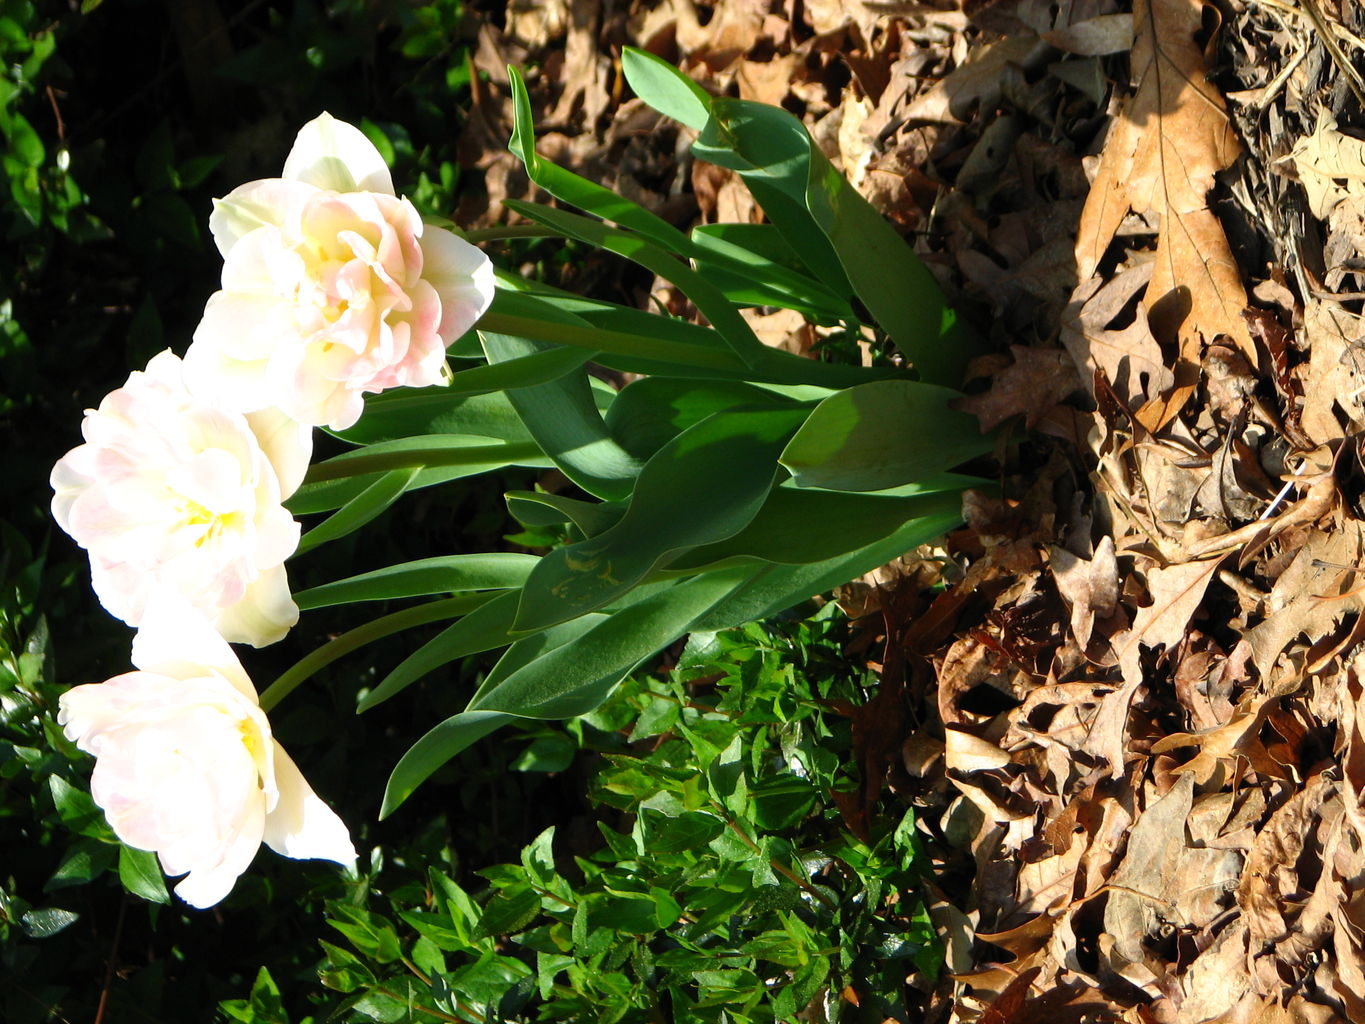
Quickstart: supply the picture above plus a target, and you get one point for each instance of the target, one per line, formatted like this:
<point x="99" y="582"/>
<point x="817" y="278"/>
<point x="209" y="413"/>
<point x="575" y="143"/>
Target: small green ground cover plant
<point x="723" y="885"/>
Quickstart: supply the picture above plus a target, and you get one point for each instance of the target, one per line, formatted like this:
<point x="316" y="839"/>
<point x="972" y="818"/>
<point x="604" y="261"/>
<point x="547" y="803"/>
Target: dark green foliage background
<point x="110" y="159"/>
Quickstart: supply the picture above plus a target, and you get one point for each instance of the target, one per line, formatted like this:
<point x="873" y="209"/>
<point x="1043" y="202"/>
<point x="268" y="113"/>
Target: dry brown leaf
<point x="1335" y="372"/>
<point x="976" y="81"/>
<point x="1271" y="876"/>
<point x="1094" y="37"/>
<point x="1038" y="379"/>
<point x="1129" y="357"/>
<point x="1238" y="738"/>
<point x="1089" y="586"/>
<point x="1161" y="156"/>
<point x="1176" y="592"/>
<point x="1145" y="889"/>
<point x="1312" y="595"/>
<point x="1330" y="166"/>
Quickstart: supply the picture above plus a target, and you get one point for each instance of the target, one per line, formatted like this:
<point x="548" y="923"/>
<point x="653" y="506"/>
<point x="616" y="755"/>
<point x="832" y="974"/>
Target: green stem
<point x="510" y="231"/>
<point x="363" y="463"/>
<point x="776" y="865"/>
<point x="618" y="343"/>
<point x="385" y="625"/>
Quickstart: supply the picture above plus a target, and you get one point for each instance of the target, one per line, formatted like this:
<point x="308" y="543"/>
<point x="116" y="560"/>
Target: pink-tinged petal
<point x="334" y="155"/>
<point x="287" y="443"/>
<point x="265" y="613"/>
<point x="208" y="885"/>
<point x="85" y="711"/>
<point x="462" y="276"/>
<point x="177" y="641"/>
<point x="268" y="202"/>
<point x="121" y="589"/>
<point x="301" y="826"/>
<point x="265" y="262"/>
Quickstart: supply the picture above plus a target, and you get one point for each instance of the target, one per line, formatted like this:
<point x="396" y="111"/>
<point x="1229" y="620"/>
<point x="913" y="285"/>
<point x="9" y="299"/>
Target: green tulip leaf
<point x="881" y="435"/>
<point x="703" y="486"/>
<point x="444" y="574"/>
<point x="665" y="88"/>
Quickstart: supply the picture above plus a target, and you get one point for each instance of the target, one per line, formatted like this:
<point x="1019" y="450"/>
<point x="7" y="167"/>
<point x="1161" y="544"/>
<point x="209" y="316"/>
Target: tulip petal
<point x="301" y="825"/>
<point x="265" y="613"/>
<point x="287" y="443"/>
<point x="462" y="276"/>
<point x="334" y="155"/>
<point x="177" y="641"/>
<point x="253" y="205"/>
<point x="206" y="886"/>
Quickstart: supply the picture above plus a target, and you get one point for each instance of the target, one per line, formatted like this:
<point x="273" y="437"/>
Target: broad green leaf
<point x="892" y="281"/>
<point x="140" y="873"/>
<point x="529" y="649"/>
<point x="563" y="418"/>
<point x="410" y="412"/>
<point x="799" y="525"/>
<point x="650" y="412"/>
<point x="630" y="339"/>
<point x="435" y="748"/>
<point x="579" y="191"/>
<point x="332" y="494"/>
<point x="426" y="450"/>
<point x="775" y="588"/>
<point x="508" y="912"/>
<point x="363" y="508"/>
<point x="443" y="574"/>
<point x="775" y="165"/>
<point x="703" y="486"/>
<point x="45" y="922"/>
<point x="837" y="233"/>
<point x="84" y="860"/>
<point x="482" y="629"/>
<point x="749" y="263"/>
<point x="712" y="303"/>
<point x="78" y="809"/>
<point x="665" y="88"/>
<point x="686" y="831"/>
<point x="636" y="341"/>
<point x="402" y="412"/>
<point x="533" y="508"/>
<point x="575" y="677"/>
<point x="568" y="679"/>
<point x="882" y="435"/>
<point x="376" y="629"/>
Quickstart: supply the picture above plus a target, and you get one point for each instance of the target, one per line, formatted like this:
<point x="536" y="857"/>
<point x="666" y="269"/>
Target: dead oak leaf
<point x="1037" y="380"/>
<point x="1176" y="592"/>
<point x="1162" y="156"/>
<point x="1312" y="595"/>
<point x="1089" y="586"/>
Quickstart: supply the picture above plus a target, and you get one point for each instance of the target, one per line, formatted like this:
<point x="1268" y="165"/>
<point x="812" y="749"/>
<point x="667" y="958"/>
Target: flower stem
<point x="510" y="231"/>
<point x="363" y="463"/>
<point x="386" y="625"/>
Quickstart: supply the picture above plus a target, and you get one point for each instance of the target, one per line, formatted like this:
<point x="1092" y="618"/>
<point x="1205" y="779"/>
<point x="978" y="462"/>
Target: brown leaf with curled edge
<point x="1161" y="156"/>
<point x="1090" y="587"/>
<point x="1144" y="886"/>
<point x="1129" y="357"/>
<point x="1176" y="592"/>
<point x="1238" y="738"/>
<point x="1037" y="380"/>
<point x="1335" y="373"/>
<point x="1312" y="595"/>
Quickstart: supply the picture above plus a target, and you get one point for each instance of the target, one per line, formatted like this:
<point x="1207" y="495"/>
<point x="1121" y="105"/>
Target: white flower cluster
<point x="332" y="288"/>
